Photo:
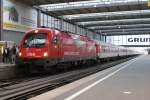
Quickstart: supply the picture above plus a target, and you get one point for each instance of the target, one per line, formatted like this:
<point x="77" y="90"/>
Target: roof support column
<point x="47" y="20"/>
<point x="94" y="35"/>
<point x="86" y="34"/>
<point x="76" y="29"/>
<point x="1" y="18"/>
<point x="100" y="37"/>
<point x="61" y="24"/>
<point x="105" y="38"/>
<point x="38" y="18"/>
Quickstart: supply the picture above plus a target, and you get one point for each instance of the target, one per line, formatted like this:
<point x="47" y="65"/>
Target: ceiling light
<point x="127" y="92"/>
<point x="95" y="6"/>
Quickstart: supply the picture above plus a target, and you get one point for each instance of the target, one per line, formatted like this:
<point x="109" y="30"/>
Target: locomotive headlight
<point x="36" y="31"/>
<point x="45" y="54"/>
<point x="20" y="54"/>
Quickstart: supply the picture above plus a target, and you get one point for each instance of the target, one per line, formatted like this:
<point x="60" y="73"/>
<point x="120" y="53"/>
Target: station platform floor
<point x="7" y="71"/>
<point x="2" y="65"/>
<point x="127" y="81"/>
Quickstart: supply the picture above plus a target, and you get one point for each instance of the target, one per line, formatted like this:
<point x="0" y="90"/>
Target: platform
<point x="7" y="71"/>
<point x="126" y="81"/>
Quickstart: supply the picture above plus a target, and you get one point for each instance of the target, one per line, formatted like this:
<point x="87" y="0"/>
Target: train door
<point x="55" y="47"/>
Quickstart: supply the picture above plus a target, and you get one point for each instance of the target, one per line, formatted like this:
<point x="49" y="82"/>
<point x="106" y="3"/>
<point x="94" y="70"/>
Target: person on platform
<point x="5" y="54"/>
<point x="13" y="53"/>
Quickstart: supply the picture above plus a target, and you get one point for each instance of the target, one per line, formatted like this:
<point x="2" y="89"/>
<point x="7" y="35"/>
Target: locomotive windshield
<point x="35" y="40"/>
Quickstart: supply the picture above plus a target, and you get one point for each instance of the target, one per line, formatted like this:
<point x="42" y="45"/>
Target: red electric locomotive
<point x="44" y="47"/>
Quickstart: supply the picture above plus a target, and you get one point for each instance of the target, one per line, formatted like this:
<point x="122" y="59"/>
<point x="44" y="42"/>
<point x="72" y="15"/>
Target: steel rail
<point x="26" y="89"/>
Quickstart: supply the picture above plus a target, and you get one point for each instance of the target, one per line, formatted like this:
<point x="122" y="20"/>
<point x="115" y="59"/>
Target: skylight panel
<point x="105" y="14"/>
<point x="94" y="3"/>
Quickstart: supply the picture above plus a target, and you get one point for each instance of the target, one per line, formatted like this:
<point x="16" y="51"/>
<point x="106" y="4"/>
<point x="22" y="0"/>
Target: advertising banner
<point x="18" y="17"/>
<point x="139" y="40"/>
<point x="130" y="40"/>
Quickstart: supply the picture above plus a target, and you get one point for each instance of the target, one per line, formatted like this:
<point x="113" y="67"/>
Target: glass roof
<point x="114" y="21"/>
<point x="106" y="14"/>
<point x="118" y="26"/>
<point x="94" y="3"/>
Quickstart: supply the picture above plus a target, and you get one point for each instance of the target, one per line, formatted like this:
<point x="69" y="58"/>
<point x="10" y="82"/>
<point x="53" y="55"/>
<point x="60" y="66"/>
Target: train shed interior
<point x="119" y="23"/>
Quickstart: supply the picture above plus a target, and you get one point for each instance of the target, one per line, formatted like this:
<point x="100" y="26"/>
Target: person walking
<point x="13" y="53"/>
<point x="5" y="54"/>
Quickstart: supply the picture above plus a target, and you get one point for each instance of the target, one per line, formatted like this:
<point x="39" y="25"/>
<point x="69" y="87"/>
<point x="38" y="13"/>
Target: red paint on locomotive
<point x="56" y="46"/>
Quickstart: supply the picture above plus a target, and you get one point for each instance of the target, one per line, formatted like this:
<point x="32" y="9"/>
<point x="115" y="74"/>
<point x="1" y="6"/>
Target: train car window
<point x="107" y="49"/>
<point x="35" y="40"/>
<point x="55" y="40"/>
<point x="104" y="48"/>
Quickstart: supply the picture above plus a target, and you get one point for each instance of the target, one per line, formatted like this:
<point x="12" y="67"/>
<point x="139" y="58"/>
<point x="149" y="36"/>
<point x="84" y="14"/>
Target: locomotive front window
<point x="35" y="40"/>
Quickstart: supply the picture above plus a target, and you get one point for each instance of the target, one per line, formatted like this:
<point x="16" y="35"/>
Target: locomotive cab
<point x="39" y="48"/>
<point x="34" y="46"/>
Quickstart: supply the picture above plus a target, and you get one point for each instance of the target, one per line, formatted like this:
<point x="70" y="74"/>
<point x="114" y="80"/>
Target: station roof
<point x="42" y="2"/>
<point x="108" y="17"/>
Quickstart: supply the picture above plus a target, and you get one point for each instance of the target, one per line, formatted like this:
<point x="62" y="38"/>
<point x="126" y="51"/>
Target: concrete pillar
<point x="1" y="18"/>
<point x="105" y="38"/>
<point x="47" y="20"/>
<point x="61" y="24"/>
<point x="86" y="32"/>
<point x="100" y="37"/>
<point x="94" y="34"/>
<point x="38" y="18"/>
<point x="76" y="30"/>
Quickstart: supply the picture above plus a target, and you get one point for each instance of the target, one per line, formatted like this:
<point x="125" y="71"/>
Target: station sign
<point x="138" y="39"/>
<point x="129" y="40"/>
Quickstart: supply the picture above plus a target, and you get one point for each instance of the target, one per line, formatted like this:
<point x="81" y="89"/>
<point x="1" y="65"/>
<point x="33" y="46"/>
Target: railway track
<point x="33" y="87"/>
